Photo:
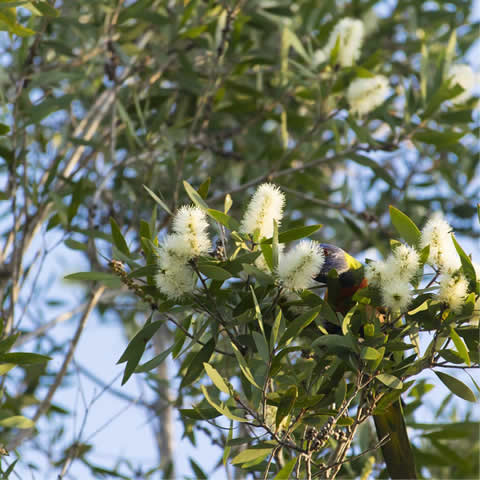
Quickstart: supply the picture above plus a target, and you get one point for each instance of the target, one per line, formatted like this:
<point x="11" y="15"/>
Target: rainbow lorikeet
<point x="397" y="451"/>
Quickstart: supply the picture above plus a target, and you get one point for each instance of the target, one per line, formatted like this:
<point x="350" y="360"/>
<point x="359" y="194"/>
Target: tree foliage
<point x="116" y="113"/>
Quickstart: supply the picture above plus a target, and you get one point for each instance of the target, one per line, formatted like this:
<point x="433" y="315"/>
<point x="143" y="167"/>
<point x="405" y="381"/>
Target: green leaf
<point x="194" y="196"/>
<point x="4" y="129"/>
<point x="439" y="139"/>
<point x="456" y="386"/>
<point x="118" y="239"/>
<point x="287" y="401"/>
<point x="91" y="276"/>
<point x="216" y="378"/>
<point x="267" y="252"/>
<point x="292" y="40"/>
<point x="262" y="346"/>
<point x="251" y="454"/>
<point x="17" y="421"/>
<point x="369" y="353"/>
<point x="146" y="271"/>
<point x="6" y="367"/>
<point x="199" y="473"/>
<point x="390" y="380"/>
<point x="74" y="245"/>
<point x="199" y="413"/>
<point x="134" y="351"/>
<point x="21" y="358"/>
<point x="467" y="266"/>
<point x="460" y="346"/>
<point x="244" y="367"/>
<point x="262" y="278"/>
<point x="196" y="365"/>
<point x="46" y="9"/>
<point x="295" y="234"/>
<point x="158" y="200"/>
<point x="405" y="226"/>
<point x="154" y="362"/>
<point x="224" y="219"/>
<point x="213" y="272"/>
<point x="286" y="471"/>
<point x="301" y="322"/>
<point x="203" y="188"/>
<point x="220" y="408"/>
<point x="7" y="343"/>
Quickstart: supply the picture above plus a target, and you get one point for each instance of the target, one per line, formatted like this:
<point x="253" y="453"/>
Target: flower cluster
<point x="464" y="76"/>
<point x="265" y="206"/>
<point x="437" y="233"/>
<point x="190" y="239"/>
<point x="349" y="33"/>
<point x="393" y="277"/>
<point x="366" y="94"/>
<point x="298" y="267"/>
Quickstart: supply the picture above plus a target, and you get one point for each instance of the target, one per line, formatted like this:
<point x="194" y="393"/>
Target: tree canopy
<point x="136" y="133"/>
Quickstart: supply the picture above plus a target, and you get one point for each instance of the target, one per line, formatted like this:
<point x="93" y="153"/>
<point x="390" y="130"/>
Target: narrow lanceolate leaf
<point x="467" y="266"/>
<point x="460" y="346"/>
<point x="194" y="196"/>
<point x="134" y="351"/>
<point x="390" y="380"/>
<point x="214" y="272"/>
<point x="118" y="239"/>
<point x="224" y="219"/>
<point x="17" y="421"/>
<point x="262" y="346"/>
<point x="20" y="358"/>
<point x="287" y="401"/>
<point x="295" y="234"/>
<point x="244" y="367"/>
<point x="286" y="472"/>
<point x="251" y="454"/>
<point x="154" y="362"/>
<point x="158" y="200"/>
<point x="196" y="365"/>
<point x="216" y="378"/>
<point x="405" y="226"/>
<point x="91" y="276"/>
<point x="456" y="386"/>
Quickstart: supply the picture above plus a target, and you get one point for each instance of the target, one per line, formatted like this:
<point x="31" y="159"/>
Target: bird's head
<point x="350" y="270"/>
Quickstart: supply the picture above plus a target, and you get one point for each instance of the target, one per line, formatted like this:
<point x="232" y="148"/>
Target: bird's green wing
<point x="397" y="451"/>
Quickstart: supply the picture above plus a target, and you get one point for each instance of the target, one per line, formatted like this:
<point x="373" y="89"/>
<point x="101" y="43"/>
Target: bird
<point x="397" y="450"/>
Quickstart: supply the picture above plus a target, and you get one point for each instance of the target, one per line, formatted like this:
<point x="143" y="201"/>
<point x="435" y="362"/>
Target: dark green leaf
<point x="287" y="401"/>
<point x="21" y="358"/>
<point x="224" y="219"/>
<point x="456" y="386"/>
<point x="295" y="234"/>
<point x="118" y="239"/>
<point x="196" y="365"/>
<point x="405" y="226"/>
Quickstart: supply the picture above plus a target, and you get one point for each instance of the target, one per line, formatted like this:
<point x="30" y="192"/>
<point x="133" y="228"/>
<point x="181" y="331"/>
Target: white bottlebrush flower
<point x="350" y="33"/>
<point x="464" y="76"/>
<point x="176" y="283"/>
<point x="318" y="58"/>
<point x="265" y="206"/>
<point x="437" y="233"/>
<point x="453" y="291"/>
<point x="190" y="222"/>
<point x="366" y="94"/>
<point x="374" y="273"/>
<point x="396" y="295"/>
<point x="407" y="261"/>
<point x="299" y="266"/>
<point x="175" y="249"/>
